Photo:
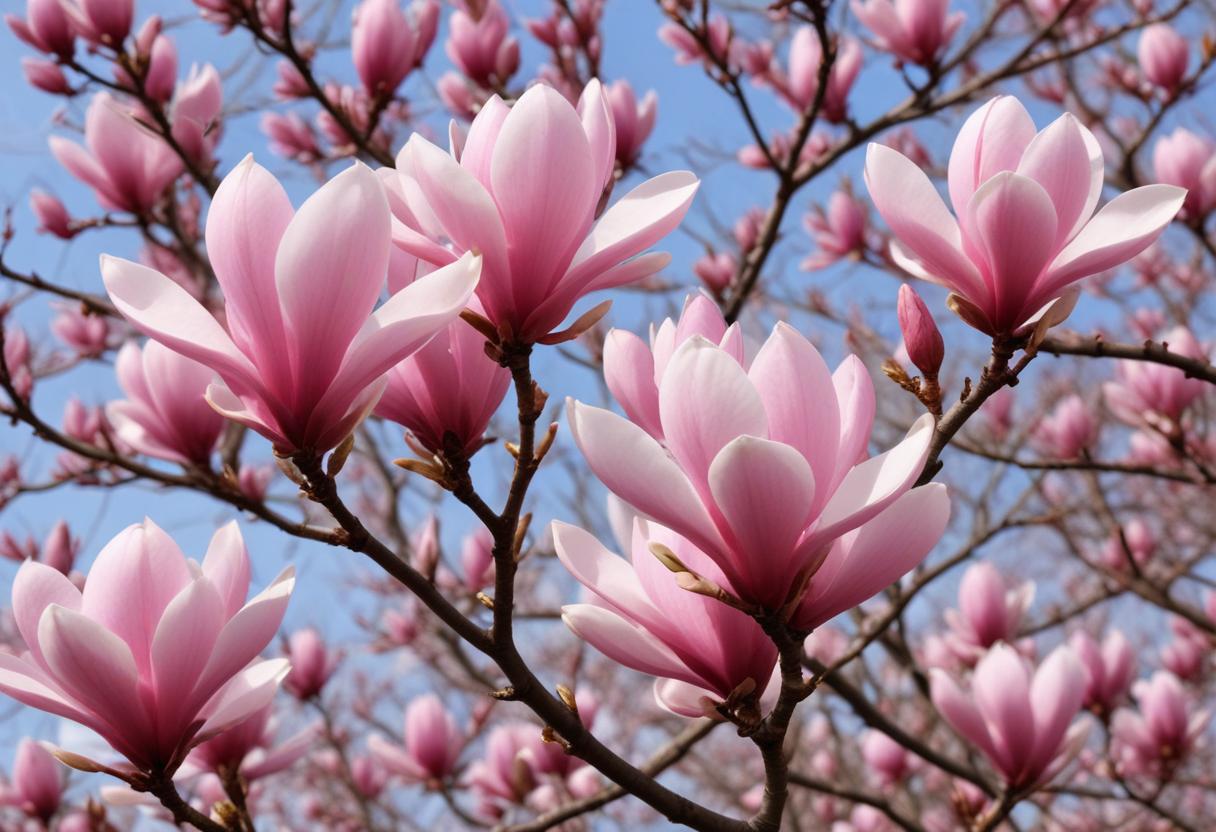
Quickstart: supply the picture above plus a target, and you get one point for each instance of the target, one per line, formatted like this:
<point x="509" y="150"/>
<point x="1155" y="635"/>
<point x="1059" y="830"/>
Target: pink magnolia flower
<point x="46" y="76"/>
<point x="501" y="775"/>
<point x="127" y="167"/>
<point x="988" y="612"/>
<point x="450" y="387"/>
<point x="1022" y="722"/>
<point x="1025" y="233"/>
<point x="195" y="112"/>
<point x="165" y="414"/>
<point x="839" y="232"/>
<point x="312" y="663"/>
<point x="480" y="44"/>
<point x="1068" y="430"/>
<point x="252" y="748"/>
<point x="801" y="84"/>
<point x="917" y="31"/>
<point x="46" y="27"/>
<point x="885" y="757"/>
<point x="433" y="743"/>
<point x="101" y="22"/>
<point x="716" y="270"/>
<point x="523" y="191"/>
<point x="304" y="356"/>
<point x="759" y="467"/>
<point x="477" y="559"/>
<point x="701" y="649"/>
<point x="1110" y="667"/>
<point x="922" y="339"/>
<point x="291" y="136"/>
<point x="53" y="216"/>
<point x="1163" y="55"/>
<point x="86" y="334"/>
<point x="158" y="653"/>
<point x="161" y="77"/>
<point x="38" y="783"/>
<point x="387" y="44"/>
<point x="59" y="549"/>
<point x="634" y="121"/>
<point x="1188" y="160"/>
<point x="1155" y="394"/>
<point x="1164" y="729"/>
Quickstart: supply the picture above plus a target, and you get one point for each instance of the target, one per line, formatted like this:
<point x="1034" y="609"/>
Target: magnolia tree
<point x="885" y="505"/>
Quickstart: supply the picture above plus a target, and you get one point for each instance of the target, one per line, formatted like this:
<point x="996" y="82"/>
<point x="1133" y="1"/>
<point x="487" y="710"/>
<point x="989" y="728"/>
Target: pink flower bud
<point x="477" y="559"/>
<point x="146" y="37"/>
<point x="885" y="757"/>
<point x="383" y="45"/>
<point x="480" y="45"/>
<point x="37" y="780"/>
<point x="46" y="27"/>
<point x="60" y="548"/>
<point x="102" y="22"/>
<point x="716" y="271"/>
<point x="86" y="334"/>
<point x="46" y="76"/>
<point x="1164" y="55"/>
<point x="312" y="663"/>
<point x="162" y="70"/>
<point x="291" y="137"/>
<point x="52" y="214"/>
<point x="839" y="232"/>
<point x="1068" y="430"/>
<point x="1188" y="160"/>
<point x="916" y="31"/>
<point x="923" y="341"/>
<point x="254" y="480"/>
<point x="1110" y="668"/>
<point x="633" y="121"/>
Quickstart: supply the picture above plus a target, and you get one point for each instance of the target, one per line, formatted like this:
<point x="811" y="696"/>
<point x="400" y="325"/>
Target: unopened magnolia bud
<point x="922" y="339"/>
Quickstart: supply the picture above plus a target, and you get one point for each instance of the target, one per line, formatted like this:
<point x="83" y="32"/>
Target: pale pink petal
<point x="874" y="484"/>
<point x="1001" y="687"/>
<point x="1125" y="226"/>
<point x="992" y="140"/>
<point x="227" y="565"/>
<point x="765" y="491"/>
<point x="959" y="711"/>
<point x="635" y="467"/>
<point x="248" y="216"/>
<point x="629" y="374"/>
<point x="911" y="206"/>
<point x="705" y="401"/>
<point x="877" y="555"/>
<point x="624" y="642"/>
<point x="800" y="400"/>
<point x="331" y="266"/>
<point x="35" y="587"/>
<point x="1058" y="158"/>
<point x="131" y="582"/>
<point x="608" y="576"/>
<point x="855" y="397"/>
<point x="181" y="648"/>
<point x="246" y="694"/>
<point x="684" y="699"/>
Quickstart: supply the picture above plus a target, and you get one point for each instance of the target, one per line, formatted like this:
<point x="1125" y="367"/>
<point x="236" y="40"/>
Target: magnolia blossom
<point x="38" y="782"/>
<point x="839" y="232"/>
<point x="701" y="649"/>
<point x="195" y="111"/>
<point x="251" y="748"/>
<point x="1145" y="392"/>
<point x="1163" y="55"/>
<point x="1025" y="232"/>
<point x="758" y="465"/>
<point x="917" y="31"/>
<point x="165" y="414"/>
<point x="85" y="333"/>
<point x="1022" y="722"/>
<point x="433" y="743"/>
<point x="52" y="214"/>
<point x="312" y="663"/>
<point x="801" y="85"/>
<point x="303" y="358"/>
<point x="1068" y="430"/>
<point x="1110" y="667"/>
<point x="101" y="22"/>
<point x="1163" y="730"/>
<point x="988" y="612"/>
<point x="633" y="120"/>
<point x="889" y="760"/>
<point x="480" y="44"/>
<point x="127" y="167"/>
<point x="386" y="45"/>
<point x="158" y="653"/>
<point x="450" y="387"/>
<point x="46" y="27"/>
<point x="523" y="191"/>
<point x="1188" y="160"/>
